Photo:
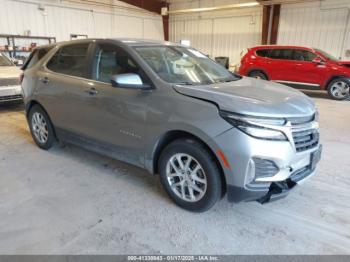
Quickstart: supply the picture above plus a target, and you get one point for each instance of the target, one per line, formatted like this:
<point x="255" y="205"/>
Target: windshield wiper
<point x="184" y="83"/>
<point x="224" y="80"/>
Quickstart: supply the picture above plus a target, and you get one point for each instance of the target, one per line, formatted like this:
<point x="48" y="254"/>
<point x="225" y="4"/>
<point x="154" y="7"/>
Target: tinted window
<point x="262" y="52"/>
<point x="70" y="60"/>
<point x="303" y="55"/>
<point x="35" y="57"/>
<point x="285" y="54"/>
<point x="111" y="60"/>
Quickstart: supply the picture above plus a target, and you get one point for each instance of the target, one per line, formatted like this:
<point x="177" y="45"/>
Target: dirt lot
<point x="70" y="201"/>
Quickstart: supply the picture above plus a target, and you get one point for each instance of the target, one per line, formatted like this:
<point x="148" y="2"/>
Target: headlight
<point x="254" y="126"/>
<point x="317" y="115"/>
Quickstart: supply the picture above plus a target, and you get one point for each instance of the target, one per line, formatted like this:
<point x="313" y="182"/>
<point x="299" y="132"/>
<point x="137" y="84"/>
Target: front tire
<point x="41" y="127"/>
<point x="339" y="89"/>
<point x="257" y="75"/>
<point x="190" y="175"/>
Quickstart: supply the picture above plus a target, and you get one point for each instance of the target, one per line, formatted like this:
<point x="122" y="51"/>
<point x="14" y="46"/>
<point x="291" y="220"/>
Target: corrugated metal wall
<point x="320" y="24"/>
<point x="324" y="24"/>
<point x="221" y="33"/>
<point x="62" y="20"/>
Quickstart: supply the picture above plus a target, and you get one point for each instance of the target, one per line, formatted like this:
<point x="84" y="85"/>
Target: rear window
<point x="35" y="57"/>
<point x="70" y="60"/>
<point x="262" y="52"/>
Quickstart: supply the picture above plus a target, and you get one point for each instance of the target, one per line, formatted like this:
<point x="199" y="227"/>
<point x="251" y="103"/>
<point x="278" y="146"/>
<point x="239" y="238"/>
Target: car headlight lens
<point x="253" y="126"/>
<point x="317" y="115"/>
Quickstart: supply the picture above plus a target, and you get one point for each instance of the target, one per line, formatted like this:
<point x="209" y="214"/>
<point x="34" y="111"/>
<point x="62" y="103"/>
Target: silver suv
<point x="175" y="112"/>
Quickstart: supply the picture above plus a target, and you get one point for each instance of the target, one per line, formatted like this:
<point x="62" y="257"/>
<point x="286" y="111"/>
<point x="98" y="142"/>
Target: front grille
<point x="13" y="81"/>
<point x="306" y="139"/>
<point x="264" y="167"/>
<point x="10" y="98"/>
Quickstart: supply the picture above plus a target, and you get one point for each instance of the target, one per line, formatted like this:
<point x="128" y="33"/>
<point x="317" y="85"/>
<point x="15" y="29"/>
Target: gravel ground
<point x="71" y="201"/>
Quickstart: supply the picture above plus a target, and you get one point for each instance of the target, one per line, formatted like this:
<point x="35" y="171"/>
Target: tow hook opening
<point x="277" y="188"/>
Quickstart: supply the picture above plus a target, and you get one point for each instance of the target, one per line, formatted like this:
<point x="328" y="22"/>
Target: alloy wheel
<point x="39" y="127"/>
<point x="340" y="89"/>
<point x="186" y="177"/>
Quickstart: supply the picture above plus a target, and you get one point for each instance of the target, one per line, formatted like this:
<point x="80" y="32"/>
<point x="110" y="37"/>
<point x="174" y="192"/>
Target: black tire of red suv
<point x="336" y="85"/>
<point x="211" y="173"/>
<point x="257" y="74"/>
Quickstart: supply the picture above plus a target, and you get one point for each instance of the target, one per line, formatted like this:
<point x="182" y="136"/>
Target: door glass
<point x="285" y="54"/>
<point x="263" y="52"/>
<point x="303" y="55"/>
<point x="70" y="60"/>
<point x="35" y="57"/>
<point x="111" y="60"/>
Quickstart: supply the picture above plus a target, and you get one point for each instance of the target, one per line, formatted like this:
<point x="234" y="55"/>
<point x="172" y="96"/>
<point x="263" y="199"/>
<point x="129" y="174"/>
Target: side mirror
<point x="132" y="81"/>
<point x="318" y="60"/>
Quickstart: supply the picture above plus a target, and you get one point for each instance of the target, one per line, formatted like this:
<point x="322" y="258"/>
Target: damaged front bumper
<point x="267" y="192"/>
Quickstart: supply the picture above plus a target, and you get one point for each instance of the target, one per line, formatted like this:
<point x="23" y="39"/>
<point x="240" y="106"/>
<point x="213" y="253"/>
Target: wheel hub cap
<point x="39" y="127"/>
<point x="340" y="89"/>
<point x="186" y="177"/>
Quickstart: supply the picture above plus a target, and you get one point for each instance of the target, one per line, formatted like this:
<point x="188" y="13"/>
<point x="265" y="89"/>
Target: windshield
<point x="181" y="65"/>
<point x="4" y="61"/>
<point x="327" y="56"/>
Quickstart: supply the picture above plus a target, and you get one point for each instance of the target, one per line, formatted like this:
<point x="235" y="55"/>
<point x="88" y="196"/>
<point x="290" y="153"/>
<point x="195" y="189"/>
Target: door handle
<point x="44" y="80"/>
<point x="91" y="91"/>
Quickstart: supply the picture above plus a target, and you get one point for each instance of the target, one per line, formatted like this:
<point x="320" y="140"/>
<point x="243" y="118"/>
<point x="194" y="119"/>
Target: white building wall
<point x="323" y="24"/>
<point x="62" y="19"/>
<point x="220" y="33"/>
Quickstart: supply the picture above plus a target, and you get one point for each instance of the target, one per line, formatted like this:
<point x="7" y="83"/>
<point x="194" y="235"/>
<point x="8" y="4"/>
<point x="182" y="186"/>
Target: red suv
<point x="300" y="67"/>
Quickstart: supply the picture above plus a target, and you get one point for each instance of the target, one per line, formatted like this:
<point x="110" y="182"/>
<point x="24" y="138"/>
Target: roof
<point x="281" y="46"/>
<point x="126" y="41"/>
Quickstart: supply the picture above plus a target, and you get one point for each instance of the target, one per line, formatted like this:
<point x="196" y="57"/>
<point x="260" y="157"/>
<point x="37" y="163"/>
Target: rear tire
<point x="41" y="127"/>
<point x="339" y="89"/>
<point x="190" y="175"/>
<point x="258" y="75"/>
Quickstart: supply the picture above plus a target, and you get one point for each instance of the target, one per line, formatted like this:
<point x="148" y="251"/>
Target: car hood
<point x="9" y="72"/>
<point x="253" y="97"/>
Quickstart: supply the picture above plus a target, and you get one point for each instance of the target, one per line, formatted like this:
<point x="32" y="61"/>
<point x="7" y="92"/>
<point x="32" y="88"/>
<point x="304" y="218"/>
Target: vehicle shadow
<point x="11" y="107"/>
<point x="99" y="163"/>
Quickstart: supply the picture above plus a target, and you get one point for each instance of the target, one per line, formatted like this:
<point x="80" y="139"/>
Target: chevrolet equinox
<point x="173" y="111"/>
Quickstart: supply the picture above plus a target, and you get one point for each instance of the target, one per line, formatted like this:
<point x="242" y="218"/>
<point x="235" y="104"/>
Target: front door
<point x="306" y="71"/>
<point x="116" y="116"/>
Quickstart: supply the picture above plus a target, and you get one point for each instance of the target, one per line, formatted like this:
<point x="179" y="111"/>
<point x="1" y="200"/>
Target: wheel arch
<point x="258" y="70"/>
<point x="30" y="105"/>
<point x="332" y="78"/>
<point x="173" y="135"/>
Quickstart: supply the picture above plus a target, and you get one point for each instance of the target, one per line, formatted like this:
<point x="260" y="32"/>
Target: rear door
<point x="280" y="64"/>
<point x="65" y="83"/>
